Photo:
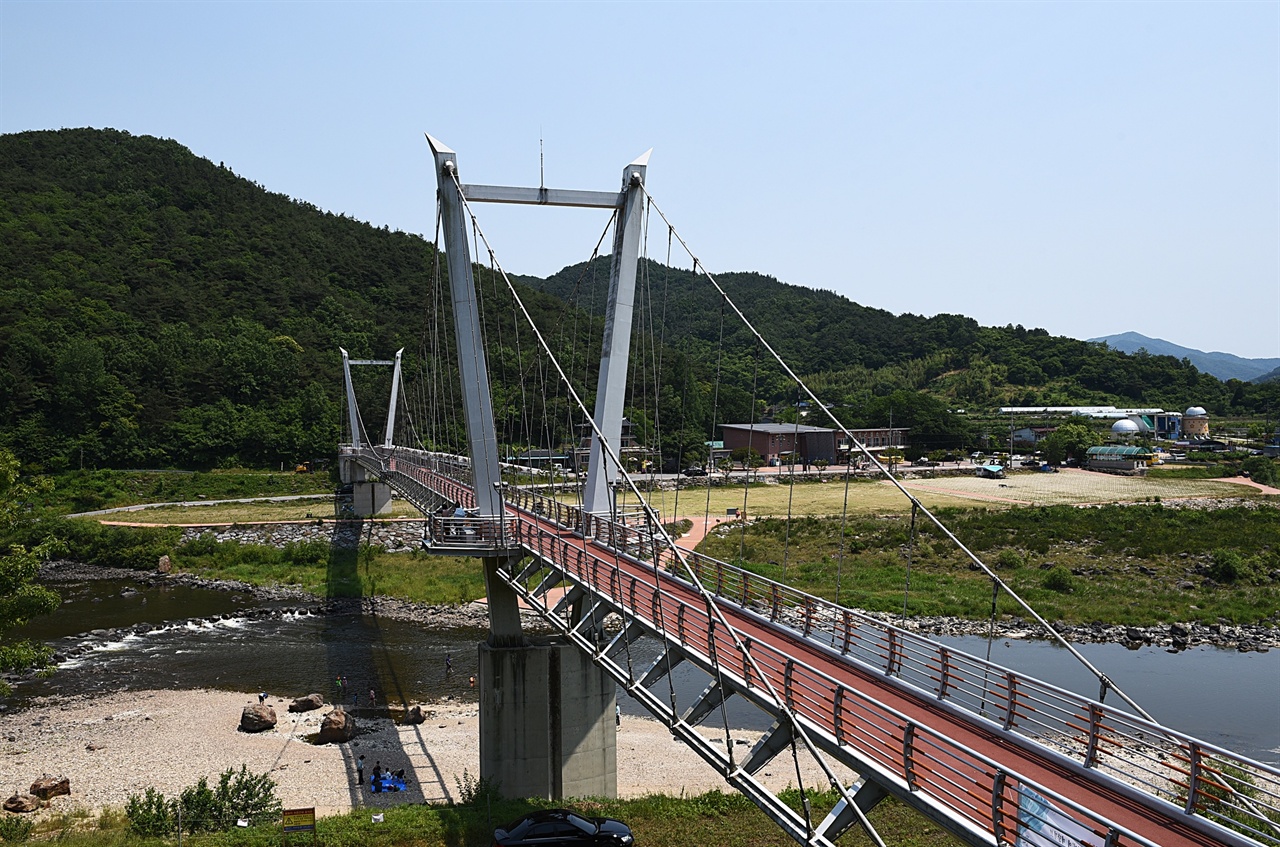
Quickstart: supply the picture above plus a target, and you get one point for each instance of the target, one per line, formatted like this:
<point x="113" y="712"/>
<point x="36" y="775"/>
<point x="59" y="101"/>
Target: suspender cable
<point x="973" y="557"/>
<point x="748" y="460"/>
<point x="911" y="549"/>
<point x="682" y="561"/>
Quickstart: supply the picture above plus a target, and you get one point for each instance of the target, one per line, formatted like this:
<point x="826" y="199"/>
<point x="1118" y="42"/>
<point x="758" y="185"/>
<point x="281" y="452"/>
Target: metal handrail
<point x="896" y="744"/>
<point x="1210" y="781"/>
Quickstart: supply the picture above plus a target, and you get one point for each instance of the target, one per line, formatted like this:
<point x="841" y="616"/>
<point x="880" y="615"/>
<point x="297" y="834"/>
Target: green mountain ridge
<point x="157" y="309"/>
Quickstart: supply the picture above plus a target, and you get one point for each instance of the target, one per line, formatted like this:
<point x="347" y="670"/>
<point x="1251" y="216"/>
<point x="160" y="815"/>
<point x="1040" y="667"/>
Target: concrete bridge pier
<point x="547" y="722"/>
<point x="368" y="497"/>
<point x="547" y="725"/>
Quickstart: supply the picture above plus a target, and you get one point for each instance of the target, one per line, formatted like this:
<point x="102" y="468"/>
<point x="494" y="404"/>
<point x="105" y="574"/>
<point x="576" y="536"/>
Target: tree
<point x="749" y="458"/>
<point x="1071" y="440"/>
<point x="21" y="599"/>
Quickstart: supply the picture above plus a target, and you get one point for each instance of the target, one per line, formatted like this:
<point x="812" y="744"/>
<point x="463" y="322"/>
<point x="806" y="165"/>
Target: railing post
<point x="1012" y="682"/>
<point x="945" y="677"/>
<point x="908" y="755"/>
<point x="1095" y="725"/>
<point x="787" y="695"/>
<point x="997" y="808"/>
<point x="848" y="630"/>
<point x="1193" y="781"/>
<point x="894" y="663"/>
<point x="837" y="714"/>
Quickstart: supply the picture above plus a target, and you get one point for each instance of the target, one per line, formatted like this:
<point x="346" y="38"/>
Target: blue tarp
<point x="385" y="782"/>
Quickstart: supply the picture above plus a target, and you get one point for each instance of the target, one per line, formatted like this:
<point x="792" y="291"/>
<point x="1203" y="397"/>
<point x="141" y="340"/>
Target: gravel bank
<point x="114" y="746"/>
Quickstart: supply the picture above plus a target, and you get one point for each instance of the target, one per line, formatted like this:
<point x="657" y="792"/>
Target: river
<point x="202" y="638"/>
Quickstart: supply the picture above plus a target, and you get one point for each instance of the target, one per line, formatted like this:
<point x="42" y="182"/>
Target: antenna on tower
<point x="542" y="172"/>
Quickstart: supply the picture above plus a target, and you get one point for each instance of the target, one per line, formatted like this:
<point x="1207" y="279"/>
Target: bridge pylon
<point x="547" y="711"/>
<point x="368" y="496"/>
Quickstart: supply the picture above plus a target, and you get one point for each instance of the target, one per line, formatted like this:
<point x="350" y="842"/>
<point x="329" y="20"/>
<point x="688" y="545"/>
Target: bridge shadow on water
<point x="366" y="674"/>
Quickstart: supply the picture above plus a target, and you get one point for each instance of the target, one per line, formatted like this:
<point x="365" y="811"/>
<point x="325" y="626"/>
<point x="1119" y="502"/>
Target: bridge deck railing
<point x="474" y="531"/>
<point x="1231" y="791"/>
<point x="1156" y="760"/>
<point x="987" y="795"/>
<point x="1199" y="777"/>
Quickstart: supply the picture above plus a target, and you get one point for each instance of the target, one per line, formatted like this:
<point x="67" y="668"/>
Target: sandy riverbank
<point x="114" y="746"/>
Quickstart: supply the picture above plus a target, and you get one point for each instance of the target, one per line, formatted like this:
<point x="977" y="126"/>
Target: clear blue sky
<point x="1089" y="168"/>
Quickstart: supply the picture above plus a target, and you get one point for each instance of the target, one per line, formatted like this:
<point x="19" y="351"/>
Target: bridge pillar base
<point x="370" y="498"/>
<point x="547" y="722"/>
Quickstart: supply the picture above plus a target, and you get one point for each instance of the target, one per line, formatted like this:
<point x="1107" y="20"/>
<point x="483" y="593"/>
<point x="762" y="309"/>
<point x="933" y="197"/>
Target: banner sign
<point x="1040" y="824"/>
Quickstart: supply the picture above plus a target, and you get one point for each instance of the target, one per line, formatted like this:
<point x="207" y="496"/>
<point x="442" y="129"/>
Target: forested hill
<point x="851" y="351"/>
<point x="156" y="309"/>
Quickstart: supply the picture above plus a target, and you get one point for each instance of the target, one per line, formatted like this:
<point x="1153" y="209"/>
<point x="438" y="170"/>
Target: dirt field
<point x="1021" y="488"/>
<point x="1078" y="486"/>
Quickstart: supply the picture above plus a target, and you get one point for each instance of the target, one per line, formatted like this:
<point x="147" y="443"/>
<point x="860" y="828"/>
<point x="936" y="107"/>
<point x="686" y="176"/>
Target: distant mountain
<point x="1222" y="365"/>
<point x="1268" y="377"/>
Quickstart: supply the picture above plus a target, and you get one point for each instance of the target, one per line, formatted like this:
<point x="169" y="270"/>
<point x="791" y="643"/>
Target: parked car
<point x="1031" y="463"/>
<point x="562" y="828"/>
<point x="694" y="471"/>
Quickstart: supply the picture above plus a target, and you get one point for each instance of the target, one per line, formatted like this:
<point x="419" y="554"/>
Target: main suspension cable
<point x="1106" y="682"/>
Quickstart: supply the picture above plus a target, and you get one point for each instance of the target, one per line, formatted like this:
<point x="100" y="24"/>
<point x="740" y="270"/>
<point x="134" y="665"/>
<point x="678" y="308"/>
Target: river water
<point x="233" y="641"/>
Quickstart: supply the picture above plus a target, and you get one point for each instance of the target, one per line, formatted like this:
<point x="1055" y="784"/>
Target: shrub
<point x="1009" y="560"/>
<point x="15" y="829"/>
<point x="1226" y="566"/>
<point x="1260" y="469"/>
<point x="1059" y="579"/>
<point x="239" y="794"/>
<point x="473" y="791"/>
<point x="150" y="814"/>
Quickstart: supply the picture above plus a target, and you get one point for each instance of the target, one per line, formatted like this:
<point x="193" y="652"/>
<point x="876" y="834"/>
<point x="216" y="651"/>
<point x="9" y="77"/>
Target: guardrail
<point x="1234" y="792"/>
<point x="1200" y="778"/>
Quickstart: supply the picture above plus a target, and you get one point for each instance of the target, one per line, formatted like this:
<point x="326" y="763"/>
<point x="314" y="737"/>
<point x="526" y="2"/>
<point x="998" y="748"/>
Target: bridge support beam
<point x="504" y="606"/>
<point x="547" y="722"/>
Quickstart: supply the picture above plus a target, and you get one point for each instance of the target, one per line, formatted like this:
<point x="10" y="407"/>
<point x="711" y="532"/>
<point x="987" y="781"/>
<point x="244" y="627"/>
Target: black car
<point x="694" y="471"/>
<point x="562" y="828"/>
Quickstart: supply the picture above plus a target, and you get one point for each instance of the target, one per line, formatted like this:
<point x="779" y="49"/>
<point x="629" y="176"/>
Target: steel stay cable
<point x="713" y="608"/>
<point x="844" y="517"/>
<point x="911" y="550"/>
<point x="791" y="487"/>
<point x="747" y="459"/>
<point x="715" y="411"/>
<point x="1103" y="678"/>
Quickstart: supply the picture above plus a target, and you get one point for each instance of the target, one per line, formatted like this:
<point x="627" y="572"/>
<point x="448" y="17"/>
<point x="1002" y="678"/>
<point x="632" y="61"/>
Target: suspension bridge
<point x="992" y="755"/>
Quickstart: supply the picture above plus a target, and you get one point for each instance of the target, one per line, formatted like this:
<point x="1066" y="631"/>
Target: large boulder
<point x="257" y="717"/>
<point x="415" y="715"/>
<point x="307" y="704"/>
<point x="51" y="786"/>
<point x="22" y="803"/>
<point x="337" y="726"/>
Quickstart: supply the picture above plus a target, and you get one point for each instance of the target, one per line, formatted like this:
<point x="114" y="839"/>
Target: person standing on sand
<point x="360" y="770"/>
